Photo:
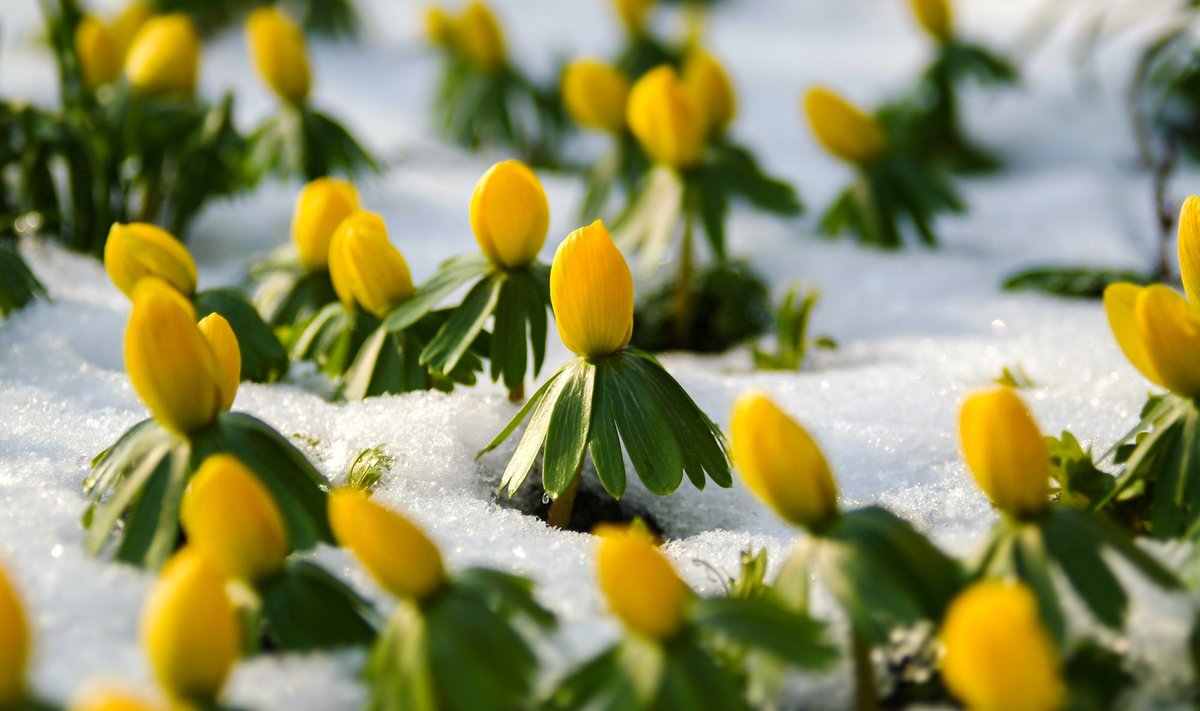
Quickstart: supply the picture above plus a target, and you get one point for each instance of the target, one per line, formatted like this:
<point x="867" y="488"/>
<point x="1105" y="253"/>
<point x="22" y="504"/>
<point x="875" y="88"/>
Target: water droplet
<point x="56" y="551"/>
<point x="545" y="498"/>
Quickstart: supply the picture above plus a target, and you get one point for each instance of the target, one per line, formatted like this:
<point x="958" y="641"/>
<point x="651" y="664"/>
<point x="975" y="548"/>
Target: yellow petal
<point x="170" y="363"/>
<point x="277" y="46"/>
<point x="126" y="25"/>
<point x="1189" y="248"/>
<point x="842" y="128"/>
<point x="139" y="249"/>
<point x="479" y="37"/>
<point x="394" y="551"/>
<point x="780" y="462"/>
<point x="666" y="118"/>
<point x="997" y="654"/>
<point x="98" y="59"/>
<point x="510" y="214"/>
<point x="14" y="644"/>
<point x="706" y="78"/>
<point x="113" y="700"/>
<point x="219" y="334"/>
<point x="1170" y="330"/>
<point x="1120" y="304"/>
<point x="633" y="13"/>
<point x="164" y="56"/>
<point x="231" y="518"/>
<point x="320" y="208"/>
<point x="439" y="28"/>
<point x="595" y="95"/>
<point x="366" y="268"/>
<point x="641" y="586"/>
<point x="591" y="291"/>
<point x="1006" y="451"/>
<point x="190" y="632"/>
<point x="935" y="17"/>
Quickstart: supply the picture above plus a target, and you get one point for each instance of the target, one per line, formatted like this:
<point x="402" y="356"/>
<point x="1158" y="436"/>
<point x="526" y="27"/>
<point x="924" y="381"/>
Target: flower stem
<point x="865" y="695"/>
<point x="517" y="394"/>
<point x="560" y="508"/>
<point x="683" y="288"/>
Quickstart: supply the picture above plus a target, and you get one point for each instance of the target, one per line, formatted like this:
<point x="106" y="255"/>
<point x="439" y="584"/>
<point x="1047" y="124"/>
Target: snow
<point x="918" y="329"/>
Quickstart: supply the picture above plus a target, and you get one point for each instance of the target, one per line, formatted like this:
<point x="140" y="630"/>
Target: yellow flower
<point x="1005" y="451"/>
<point x="479" y="37"/>
<point x="126" y="24"/>
<point x="139" y="249"/>
<point x="641" y="586"/>
<point x="591" y="291"/>
<point x="439" y="28"/>
<point x="780" y="462"/>
<point x="190" y="631"/>
<point x="842" y="128"/>
<point x="98" y="60"/>
<point x="595" y="94"/>
<point x="510" y="215"/>
<point x="164" y="56"/>
<point x="997" y="654"/>
<point x="366" y="269"/>
<point x="1189" y="248"/>
<point x="706" y="78"/>
<point x="231" y="519"/>
<point x="633" y="14"/>
<point x="935" y="17"/>
<point x="14" y="644"/>
<point x="394" y="551"/>
<point x="170" y="362"/>
<point x="666" y="118"/>
<point x="112" y="700"/>
<point x="277" y="46"/>
<point x="320" y="208"/>
<point x="220" y="336"/>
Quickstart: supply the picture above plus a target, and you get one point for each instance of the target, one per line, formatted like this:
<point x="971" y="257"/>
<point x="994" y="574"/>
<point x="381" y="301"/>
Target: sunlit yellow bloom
<point x="393" y="549"/>
<point x="510" y="214"/>
<point x="1005" y="451"/>
<point x="591" y="290"/>
<point x="164" y="57"/>
<point x="666" y="118"/>
<point x="98" y="59"/>
<point x="780" y="462"/>
<point x="439" y="28"/>
<point x="126" y="24"/>
<point x="277" y="45"/>
<point x="1189" y="248"/>
<point x="935" y="17"/>
<point x="14" y="644"/>
<point x="190" y="632"/>
<point x="112" y="700"/>
<point x="842" y="128"/>
<point x="641" y="586"/>
<point x="320" y="208"/>
<point x="997" y="654"/>
<point x="140" y="249"/>
<point x="366" y="268"/>
<point x="231" y="518"/>
<point x="707" y="79"/>
<point x="170" y="363"/>
<point x="220" y="336"/>
<point x="478" y="36"/>
<point x="633" y="13"/>
<point x="595" y="95"/>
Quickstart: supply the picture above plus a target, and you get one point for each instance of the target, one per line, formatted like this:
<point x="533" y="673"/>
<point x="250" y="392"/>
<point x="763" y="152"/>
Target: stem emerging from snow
<point x="560" y="508"/>
<point x="683" y="288"/>
<point x="517" y="394"/>
<point x="865" y="695"/>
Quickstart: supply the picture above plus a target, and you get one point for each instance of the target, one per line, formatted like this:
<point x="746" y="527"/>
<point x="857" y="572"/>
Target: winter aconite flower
<point x="139" y="249"/>
<point x="277" y="45"/>
<point x="706" y="78"/>
<point x="479" y="37"/>
<point x="633" y="13"/>
<point x="591" y="290"/>
<point x="595" y="95"/>
<point x="842" y="128"/>
<point x="112" y="700"/>
<point x="219" y="334"/>
<point x="14" y="645"/>
<point x="127" y="24"/>
<point x="935" y="17"/>
<point x="510" y="215"/>
<point x="190" y="631"/>
<point x="781" y="463"/>
<point x="1005" y="451"/>
<point x="667" y="118"/>
<point x="998" y="656"/>
<point x="394" y="550"/>
<point x="164" y="57"/>
<point x="320" y="208"/>
<point x="230" y="518"/>
<point x="175" y="369"/>
<point x="98" y="58"/>
<point x="367" y="270"/>
<point x="439" y="28"/>
<point x="641" y="586"/>
<point x="1156" y="327"/>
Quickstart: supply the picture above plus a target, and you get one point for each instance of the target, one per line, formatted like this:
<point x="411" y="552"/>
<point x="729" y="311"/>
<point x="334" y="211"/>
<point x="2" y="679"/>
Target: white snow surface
<point x="918" y="328"/>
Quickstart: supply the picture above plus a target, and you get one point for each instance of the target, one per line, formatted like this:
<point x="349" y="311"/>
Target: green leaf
<point x="451" y="275"/>
<point x="604" y="443"/>
<point x="306" y="609"/>
<point x="643" y="426"/>
<point x="398" y="671"/>
<point x="691" y="679"/>
<point x="1073" y="282"/>
<point x="465" y="323"/>
<point x="149" y="500"/>
<point x="1078" y="556"/>
<point x="763" y="624"/>
<point x="567" y="433"/>
<point x="535" y="432"/>
<point x="264" y="359"/>
<point x="512" y="596"/>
